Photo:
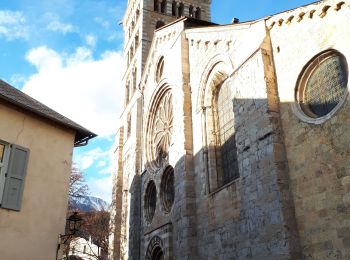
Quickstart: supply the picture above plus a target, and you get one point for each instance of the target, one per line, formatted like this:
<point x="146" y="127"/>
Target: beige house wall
<point x="32" y="233"/>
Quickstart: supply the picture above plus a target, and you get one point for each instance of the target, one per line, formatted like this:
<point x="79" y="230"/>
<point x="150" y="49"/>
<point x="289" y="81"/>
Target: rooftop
<point x="16" y="97"/>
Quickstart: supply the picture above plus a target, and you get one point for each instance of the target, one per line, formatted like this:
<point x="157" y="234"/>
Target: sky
<point x="68" y="55"/>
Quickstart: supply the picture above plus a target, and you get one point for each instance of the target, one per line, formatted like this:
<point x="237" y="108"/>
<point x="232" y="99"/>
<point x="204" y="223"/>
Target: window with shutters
<point x="13" y="165"/>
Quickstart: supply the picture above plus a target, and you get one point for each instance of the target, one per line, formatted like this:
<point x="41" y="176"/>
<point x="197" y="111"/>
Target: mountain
<point x="89" y="203"/>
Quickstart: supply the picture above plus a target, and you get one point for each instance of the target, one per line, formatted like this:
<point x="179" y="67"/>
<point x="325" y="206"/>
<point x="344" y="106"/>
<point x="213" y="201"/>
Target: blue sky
<point x="68" y="55"/>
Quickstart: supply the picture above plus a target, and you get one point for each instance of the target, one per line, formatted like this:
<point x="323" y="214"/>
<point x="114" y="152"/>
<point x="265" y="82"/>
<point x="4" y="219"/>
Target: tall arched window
<point x="216" y="104"/>
<point x="163" y="6"/>
<point x="198" y="13"/>
<point x="190" y="11"/>
<point x="173" y="8"/>
<point x="156" y="5"/>
<point x="127" y="89"/>
<point x="181" y="10"/>
<point x="226" y="150"/>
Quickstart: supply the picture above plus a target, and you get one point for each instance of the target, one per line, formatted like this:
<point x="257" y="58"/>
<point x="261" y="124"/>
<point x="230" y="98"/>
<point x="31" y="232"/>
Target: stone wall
<point x="250" y="217"/>
<point x="317" y="152"/>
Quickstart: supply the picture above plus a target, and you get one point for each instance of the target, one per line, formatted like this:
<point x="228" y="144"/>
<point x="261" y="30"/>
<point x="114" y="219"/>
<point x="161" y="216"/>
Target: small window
<point x="150" y="201"/>
<point x="323" y="84"/>
<point x="190" y="11"/>
<point x="156" y="5"/>
<point x="13" y="167"/>
<point x="160" y="68"/>
<point x="173" y="8"/>
<point x="127" y="93"/>
<point x="163" y="6"/>
<point x="159" y="24"/>
<point x="128" y="127"/>
<point x="181" y="9"/>
<point x="84" y="250"/>
<point x="167" y="189"/>
<point x="198" y="13"/>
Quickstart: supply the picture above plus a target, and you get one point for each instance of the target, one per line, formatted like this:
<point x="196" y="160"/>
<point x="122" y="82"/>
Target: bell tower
<point x="141" y="19"/>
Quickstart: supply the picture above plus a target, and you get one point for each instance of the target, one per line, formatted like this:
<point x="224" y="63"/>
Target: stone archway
<point x="157" y="254"/>
<point x="155" y="249"/>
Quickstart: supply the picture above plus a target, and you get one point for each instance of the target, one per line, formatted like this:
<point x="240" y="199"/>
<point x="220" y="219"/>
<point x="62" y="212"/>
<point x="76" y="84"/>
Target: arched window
<point x="160" y="69"/>
<point x="190" y="11"/>
<point x="198" y="13"/>
<point x="134" y="75"/>
<point x="156" y="5"/>
<point x="173" y="8"/>
<point x="159" y="24"/>
<point x="216" y="104"/>
<point x="127" y="93"/>
<point x="163" y="6"/>
<point x="150" y="201"/>
<point x="181" y="10"/>
<point x="226" y="150"/>
<point x="137" y="39"/>
<point x="128" y="127"/>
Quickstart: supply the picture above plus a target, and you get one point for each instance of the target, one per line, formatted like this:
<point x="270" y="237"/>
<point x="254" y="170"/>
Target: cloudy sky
<point x="68" y="55"/>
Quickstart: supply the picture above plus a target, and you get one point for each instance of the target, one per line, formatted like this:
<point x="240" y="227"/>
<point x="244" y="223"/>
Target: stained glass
<point x="326" y="86"/>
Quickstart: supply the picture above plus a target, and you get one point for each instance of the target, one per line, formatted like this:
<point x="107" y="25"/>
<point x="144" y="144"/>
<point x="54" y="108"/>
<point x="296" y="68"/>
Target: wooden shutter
<point x="15" y="178"/>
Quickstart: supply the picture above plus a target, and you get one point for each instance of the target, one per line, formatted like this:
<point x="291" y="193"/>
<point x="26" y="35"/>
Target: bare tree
<point x="96" y="225"/>
<point x="77" y="185"/>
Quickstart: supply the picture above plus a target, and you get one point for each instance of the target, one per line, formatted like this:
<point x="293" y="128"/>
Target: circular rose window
<point x="322" y="86"/>
<point x="167" y="190"/>
<point x="159" y="131"/>
<point x="150" y="201"/>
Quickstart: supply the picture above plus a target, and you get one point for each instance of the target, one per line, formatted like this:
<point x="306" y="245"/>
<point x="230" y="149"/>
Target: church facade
<point x="234" y="139"/>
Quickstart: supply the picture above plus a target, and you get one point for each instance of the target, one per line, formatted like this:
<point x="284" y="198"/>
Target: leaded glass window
<point x="150" y="201"/>
<point x="323" y="84"/>
<point x="225" y="136"/>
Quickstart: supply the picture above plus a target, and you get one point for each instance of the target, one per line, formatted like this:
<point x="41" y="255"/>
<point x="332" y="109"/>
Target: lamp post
<point x="74" y="222"/>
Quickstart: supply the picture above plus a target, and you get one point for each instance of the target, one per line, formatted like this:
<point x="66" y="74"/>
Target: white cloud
<point x="17" y="79"/>
<point x="13" y="25"/>
<point x="77" y="86"/>
<point x="101" y="188"/>
<point x="86" y="159"/>
<point x="55" y="24"/>
<point x="90" y="40"/>
<point x="101" y="164"/>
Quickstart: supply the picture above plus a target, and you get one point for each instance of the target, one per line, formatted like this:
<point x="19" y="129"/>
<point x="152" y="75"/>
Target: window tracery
<point x="160" y="131"/>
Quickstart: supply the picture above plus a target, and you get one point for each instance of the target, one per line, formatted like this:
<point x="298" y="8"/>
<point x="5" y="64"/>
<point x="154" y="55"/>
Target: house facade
<point x="234" y="141"/>
<point x="36" y="146"/>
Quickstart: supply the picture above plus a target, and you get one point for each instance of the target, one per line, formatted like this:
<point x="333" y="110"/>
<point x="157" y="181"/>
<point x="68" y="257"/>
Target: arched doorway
<point x="157" y="254"/>
<point x="155" y="249"/>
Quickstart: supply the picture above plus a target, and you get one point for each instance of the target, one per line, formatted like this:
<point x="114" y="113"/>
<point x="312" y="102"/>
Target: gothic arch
<point x="159" y="127"/>
<point x="155" y="249"/>
<point x="218" y="69"/>
<point x="215" y="103"/>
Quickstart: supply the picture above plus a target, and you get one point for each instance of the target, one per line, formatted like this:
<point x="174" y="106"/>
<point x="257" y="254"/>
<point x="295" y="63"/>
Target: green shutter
<point x="15" y="178"/>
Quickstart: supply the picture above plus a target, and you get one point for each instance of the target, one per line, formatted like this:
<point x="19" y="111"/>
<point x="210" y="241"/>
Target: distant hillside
<point x="89" y="203"/>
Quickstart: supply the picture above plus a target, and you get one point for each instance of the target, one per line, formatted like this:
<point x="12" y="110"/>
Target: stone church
<point x="234" y="139"/>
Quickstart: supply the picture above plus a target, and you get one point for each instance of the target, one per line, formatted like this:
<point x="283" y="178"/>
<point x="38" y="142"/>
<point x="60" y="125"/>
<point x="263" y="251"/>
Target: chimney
<point x="235" y="20"/>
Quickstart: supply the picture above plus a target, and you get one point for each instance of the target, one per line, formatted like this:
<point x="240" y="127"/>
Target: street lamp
<point x="73" y="225"/>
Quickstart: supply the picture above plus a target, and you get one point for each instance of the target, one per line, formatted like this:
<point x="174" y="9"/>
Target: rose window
<point x="160" y="132"/>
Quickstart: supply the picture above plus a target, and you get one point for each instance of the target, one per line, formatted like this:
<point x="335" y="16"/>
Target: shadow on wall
<point x="271" y="207"/>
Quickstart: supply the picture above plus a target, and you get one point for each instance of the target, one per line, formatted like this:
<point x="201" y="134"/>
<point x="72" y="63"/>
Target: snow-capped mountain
<point x="89" y="203"/>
